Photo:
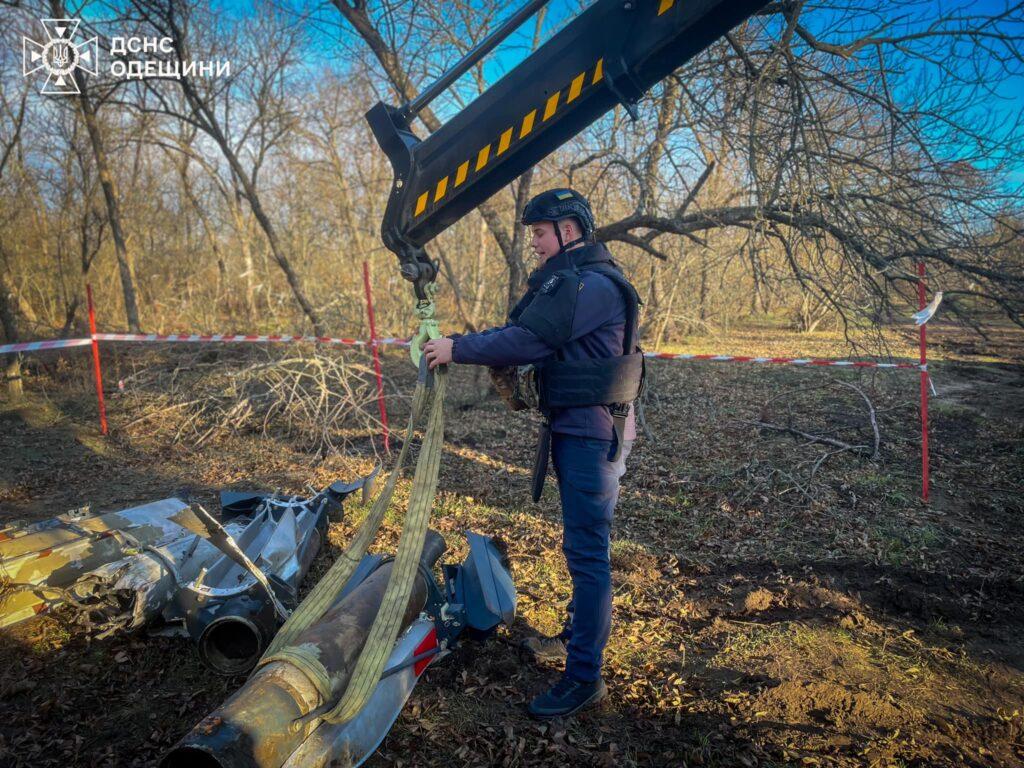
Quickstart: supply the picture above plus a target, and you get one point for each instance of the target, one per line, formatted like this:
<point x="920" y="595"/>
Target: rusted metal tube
<point x="254" y="728"/>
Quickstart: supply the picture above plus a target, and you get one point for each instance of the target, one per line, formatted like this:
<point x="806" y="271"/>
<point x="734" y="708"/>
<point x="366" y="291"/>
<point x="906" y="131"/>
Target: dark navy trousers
<point x="588" y="484"/>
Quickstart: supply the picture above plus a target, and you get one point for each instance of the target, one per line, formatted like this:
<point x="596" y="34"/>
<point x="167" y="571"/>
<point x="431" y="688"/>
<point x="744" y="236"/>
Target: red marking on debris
<point x="44" y="552"/>
<point x="4" y="536"/>
<point x="426" y="644"/>
<point x="40" y="608"/>
<point x="209" y="724"/>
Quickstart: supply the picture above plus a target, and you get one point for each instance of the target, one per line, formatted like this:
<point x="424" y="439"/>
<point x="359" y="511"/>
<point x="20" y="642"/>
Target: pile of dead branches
<point x="323" y="399"/>
<point x="823" y="425"/>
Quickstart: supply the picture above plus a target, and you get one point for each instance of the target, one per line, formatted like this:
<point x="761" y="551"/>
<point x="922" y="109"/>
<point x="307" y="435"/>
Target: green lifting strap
<point x="384" y="632"/>
<point x="428" y="328"/>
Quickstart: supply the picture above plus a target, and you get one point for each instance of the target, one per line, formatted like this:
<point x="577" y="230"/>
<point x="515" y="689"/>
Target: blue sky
<point x="834" y="21"/>
<point x="1001" y="109"/>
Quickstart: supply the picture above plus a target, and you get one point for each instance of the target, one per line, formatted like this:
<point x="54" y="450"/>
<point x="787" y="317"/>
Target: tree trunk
<point x="204" y="220"/>
<point x="667" y="315"/>
<point x="9" y="320"/>
<point x="666" y="120"/>
<point x="248" y="189"/>
<point x="703" y="294"/>
<point x="481" y="267"/>
<point x="276" y="249"/>
<point x="517" y="270"/>
<point x="124" y="259"/>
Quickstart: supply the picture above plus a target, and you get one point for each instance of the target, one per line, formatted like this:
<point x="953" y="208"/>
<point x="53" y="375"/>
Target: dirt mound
<point x="823" y="702"/>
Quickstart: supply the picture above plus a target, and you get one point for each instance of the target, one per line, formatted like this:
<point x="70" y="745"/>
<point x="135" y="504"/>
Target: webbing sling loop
<point x="428" y="328"/>
<point x="430" y="387"/>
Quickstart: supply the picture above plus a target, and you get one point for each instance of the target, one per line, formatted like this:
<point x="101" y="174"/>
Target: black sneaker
<point x="547" y="647"/>
<point x="567" y="697"/>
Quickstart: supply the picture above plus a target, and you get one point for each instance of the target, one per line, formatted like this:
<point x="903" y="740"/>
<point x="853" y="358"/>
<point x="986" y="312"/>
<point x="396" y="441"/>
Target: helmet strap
<point x="573" y="242"/>
<point x="562" y="246"/>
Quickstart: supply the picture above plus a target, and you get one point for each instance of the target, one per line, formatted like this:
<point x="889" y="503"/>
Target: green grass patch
<point x="902" y="545"/>
<point x="624" y="553"/>
<point x="951" y="410"/>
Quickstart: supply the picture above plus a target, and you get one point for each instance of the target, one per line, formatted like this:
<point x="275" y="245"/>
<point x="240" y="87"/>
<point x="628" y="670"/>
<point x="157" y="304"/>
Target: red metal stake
<point x="96" y="361"/>
<point x="376" y="357"/>
<point x="924" y="385"/>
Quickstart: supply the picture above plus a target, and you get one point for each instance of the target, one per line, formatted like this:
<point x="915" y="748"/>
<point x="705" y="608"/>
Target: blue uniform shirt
<point x="598" y="330"/>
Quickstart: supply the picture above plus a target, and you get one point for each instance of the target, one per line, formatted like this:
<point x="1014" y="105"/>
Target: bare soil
<point x="777" y="601"/>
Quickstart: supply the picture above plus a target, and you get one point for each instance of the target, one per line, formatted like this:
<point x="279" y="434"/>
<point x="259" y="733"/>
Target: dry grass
<point x="766" y="612"/>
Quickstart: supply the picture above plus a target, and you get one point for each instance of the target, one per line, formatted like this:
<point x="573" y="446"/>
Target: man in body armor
<point x="577" y="327"/>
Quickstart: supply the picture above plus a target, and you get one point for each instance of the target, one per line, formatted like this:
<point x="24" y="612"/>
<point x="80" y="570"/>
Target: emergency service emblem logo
<point x="60" y="56"/>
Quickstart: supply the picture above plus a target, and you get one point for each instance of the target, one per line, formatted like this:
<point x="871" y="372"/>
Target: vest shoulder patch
<point x="551" y="285"/>
<point x="550" y="314"/>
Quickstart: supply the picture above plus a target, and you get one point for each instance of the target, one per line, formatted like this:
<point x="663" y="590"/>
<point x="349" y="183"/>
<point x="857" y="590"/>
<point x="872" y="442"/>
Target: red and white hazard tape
<point x="245" y="338"/>
<point x="218" y="337"/>
<point x="784" y="360"/>
<point x="35" y="346"/>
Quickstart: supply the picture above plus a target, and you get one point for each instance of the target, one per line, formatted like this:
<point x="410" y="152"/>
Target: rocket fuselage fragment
<point x="150" y="564"/>
<point x="256" y="727"/>
<point x="58" y="552"/>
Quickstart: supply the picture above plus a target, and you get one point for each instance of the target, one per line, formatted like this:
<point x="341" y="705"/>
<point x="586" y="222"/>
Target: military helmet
<point x="556" y="204"/>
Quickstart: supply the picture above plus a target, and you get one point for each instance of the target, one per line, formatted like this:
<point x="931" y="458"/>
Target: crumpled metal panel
<point x="140" y="566"/>
<point x="146" y="582"/>
<point x="58" y="552"/>
<point x="225" y="598"/>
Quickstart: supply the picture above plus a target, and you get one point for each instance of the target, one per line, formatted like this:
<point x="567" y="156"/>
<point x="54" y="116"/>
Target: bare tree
<point x="799" y="168"/>
<point x="88" y="105"/>
<point x="845" y="187"/>
<point x="208" y="108"/>
<point x="12" y="118"/>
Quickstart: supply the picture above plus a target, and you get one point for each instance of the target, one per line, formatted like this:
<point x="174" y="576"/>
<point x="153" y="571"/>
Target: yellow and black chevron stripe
<point x="534" y="119"/>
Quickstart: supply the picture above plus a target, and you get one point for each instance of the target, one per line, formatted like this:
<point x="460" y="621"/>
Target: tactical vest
<point x="612" y="381"/>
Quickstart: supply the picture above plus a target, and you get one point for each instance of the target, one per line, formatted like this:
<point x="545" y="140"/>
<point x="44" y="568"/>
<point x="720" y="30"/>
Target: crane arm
<point x="610" y="54"/>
